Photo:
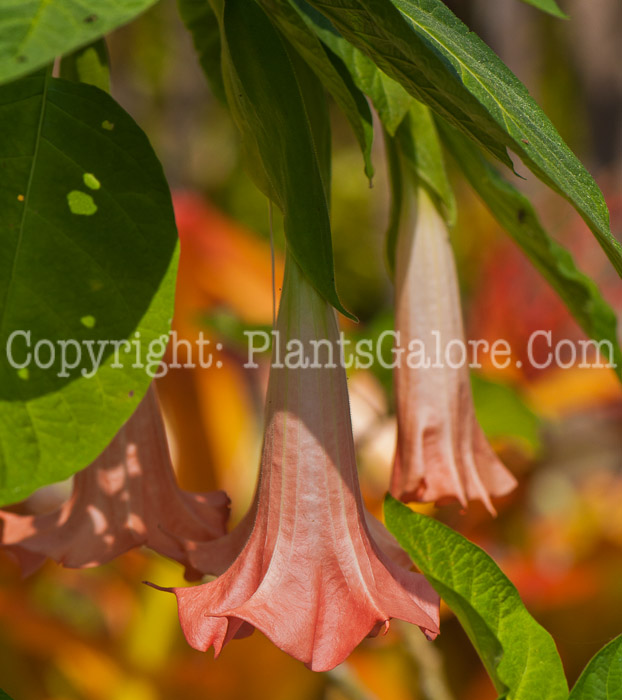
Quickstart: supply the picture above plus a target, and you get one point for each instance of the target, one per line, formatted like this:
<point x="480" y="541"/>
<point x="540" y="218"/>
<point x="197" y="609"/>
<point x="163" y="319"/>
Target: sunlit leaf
<point x="519" y="655"/>
<point x="87" y="255"/>
<point x="33" y="32"/>
<point x="517" y="216"/>
<point x="425" y="47"/>
<point x="602" y="677"/>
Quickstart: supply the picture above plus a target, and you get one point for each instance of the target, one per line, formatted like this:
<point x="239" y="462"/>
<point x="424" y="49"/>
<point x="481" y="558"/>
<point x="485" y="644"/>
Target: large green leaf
<point x="269" y="95"/>
<point x="424" y="46"/>
<point x="33" y="32"/>
<point x="519" y="655"/>
<point x="330" y="70"/>
<point x="87" y="253"/>
<point x="602" y="677"/>
<point x="549" y="6"/>
<point x="516" y="214"/>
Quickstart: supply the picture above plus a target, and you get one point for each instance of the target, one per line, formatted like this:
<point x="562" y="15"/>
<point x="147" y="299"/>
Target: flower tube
<point x="126" y="498"/>
<point x="442" y="453"/>
<point x="310" y="575"/>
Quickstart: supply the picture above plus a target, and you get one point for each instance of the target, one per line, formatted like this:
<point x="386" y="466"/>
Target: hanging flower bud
<point x="442" y="453"/>
<point x="126" y="498"/>
<point x="310" y="574"/>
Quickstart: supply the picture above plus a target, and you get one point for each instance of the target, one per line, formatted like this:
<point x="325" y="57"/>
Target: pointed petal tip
<point x="439" y="501"/>
<point x="159" y="588"/>
<point x="430" y="635"/>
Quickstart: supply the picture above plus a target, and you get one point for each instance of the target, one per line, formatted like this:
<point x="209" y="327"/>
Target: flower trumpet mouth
<point x="126" y="498"/>
<point x="305" y="568"/>
<point x="442" y="453"/>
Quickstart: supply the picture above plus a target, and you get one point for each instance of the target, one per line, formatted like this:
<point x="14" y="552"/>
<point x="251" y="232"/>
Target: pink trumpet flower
<point x="126" y="498"/>
<point x="442" y="453"/>
<point x="310" y="574"/>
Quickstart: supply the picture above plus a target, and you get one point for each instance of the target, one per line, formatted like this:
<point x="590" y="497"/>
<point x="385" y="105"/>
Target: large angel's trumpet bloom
<point x="310" y="574"/>
<point x="442" y="453"/>
<point x="126" y="498"/>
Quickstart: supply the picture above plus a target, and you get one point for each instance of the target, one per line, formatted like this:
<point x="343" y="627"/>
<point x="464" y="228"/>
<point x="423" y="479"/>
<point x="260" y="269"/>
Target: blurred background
<point x="99" y="634"/>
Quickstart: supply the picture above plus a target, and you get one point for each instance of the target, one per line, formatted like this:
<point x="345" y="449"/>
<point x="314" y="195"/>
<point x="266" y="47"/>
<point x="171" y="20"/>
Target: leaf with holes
<point x="87" y="258"/>
<point x="34" y="32"/>
<point x="519" y="655"/>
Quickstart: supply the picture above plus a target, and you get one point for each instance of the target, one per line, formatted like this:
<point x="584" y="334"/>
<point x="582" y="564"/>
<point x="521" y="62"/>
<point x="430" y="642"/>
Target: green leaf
<point x="202" y="24"/>
<point x="89" y="65"/>
<point x="424" y="46"/>
<point x="517" y="216"/>
<point x="268" y="103"/>
<point x="549" y="6"/>
<point x="330" y="70"/>
<point x="87" y="253"/>
<point x="503" y="414"/>
<point x="602" y="677"/>
<point x="4" y="696"/>
<point x="34" y="32"/>
<point x="420" y="146"/>
<point x="519" y="655"/>
<point x="389" y="97"/>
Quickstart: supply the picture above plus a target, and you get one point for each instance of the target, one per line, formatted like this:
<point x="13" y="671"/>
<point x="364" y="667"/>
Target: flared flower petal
<point x="310" y="575"/>
<point x="442" y="453"/>
<point x="126" y="498"/>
